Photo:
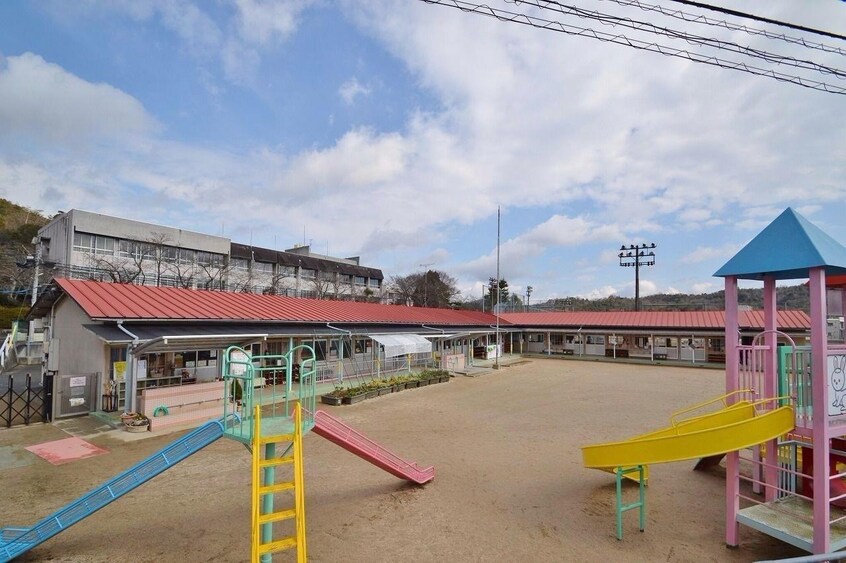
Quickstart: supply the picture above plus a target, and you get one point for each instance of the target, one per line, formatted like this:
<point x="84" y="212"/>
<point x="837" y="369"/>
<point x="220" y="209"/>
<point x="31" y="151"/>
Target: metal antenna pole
<point x="498" y="291"/>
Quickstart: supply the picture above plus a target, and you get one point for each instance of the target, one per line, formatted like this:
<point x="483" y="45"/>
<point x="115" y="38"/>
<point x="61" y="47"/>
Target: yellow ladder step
<point x="278" y="545"/>
<point x="276" y="438"/>
<point x="274" y="461"/>
<point x="276" y="488"/>
<point x="277" y="516"/>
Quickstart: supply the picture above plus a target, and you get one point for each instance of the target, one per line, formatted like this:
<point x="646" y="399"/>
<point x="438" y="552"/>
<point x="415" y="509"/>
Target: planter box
<point x="385" y="391"/>
<point x="445" y="379"/>
<point x="351" y="400"/>
<point x="371" y="394"/>
<point x="399" y="387"/>
<point x="422" y="382"/>
<point x="330" y="400"/>
<point x="434" y="380"/>
<point x="411" y="384"/>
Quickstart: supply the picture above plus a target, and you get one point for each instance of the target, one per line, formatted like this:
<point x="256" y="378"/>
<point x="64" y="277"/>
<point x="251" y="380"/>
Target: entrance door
<point x="76" y="394"/>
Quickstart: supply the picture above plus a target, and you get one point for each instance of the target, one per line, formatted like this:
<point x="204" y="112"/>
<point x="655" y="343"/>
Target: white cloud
<point x="41" y="100"/>
<point x="710" y="253"/>
<point x="262" y="21"/>
<point x="705" y="287"/>
<point x="351" y="89"/>
<point x="599" y="293"/>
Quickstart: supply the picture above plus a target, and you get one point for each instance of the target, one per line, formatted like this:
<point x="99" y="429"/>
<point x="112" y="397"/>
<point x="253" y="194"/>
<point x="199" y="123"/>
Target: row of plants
<point x="377" y="387"/>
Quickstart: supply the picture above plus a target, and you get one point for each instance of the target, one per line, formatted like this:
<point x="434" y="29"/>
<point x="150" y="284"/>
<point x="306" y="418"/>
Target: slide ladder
<point x="357" y="443"/>
<point x="266" y="486"/>
<point x="15" y="541"/>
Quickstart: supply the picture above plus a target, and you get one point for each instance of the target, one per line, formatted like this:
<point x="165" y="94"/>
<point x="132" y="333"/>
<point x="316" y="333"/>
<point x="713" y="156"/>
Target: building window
<point x="186" y="256"/>
<point x="536" y="337"/>
<point x="209" y="258"/>
<point x="556" y="339"/>
<point x="169" y="254"/>
<point x="346" y="278"/>
<point x="308" y="274"/>
<point x="287" y="271"/>
<point x="327" y="276"/>
<point x="595" y="339"/>
<point x="375" y="283"/>
<point x="360" y="280"/>
<point x="263" y="268"/>
<point x="241" y="264"/>
<point x="83" y="242"/>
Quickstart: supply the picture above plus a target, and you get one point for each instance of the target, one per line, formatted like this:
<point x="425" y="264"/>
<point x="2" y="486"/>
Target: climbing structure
<point x="790" y="500"/>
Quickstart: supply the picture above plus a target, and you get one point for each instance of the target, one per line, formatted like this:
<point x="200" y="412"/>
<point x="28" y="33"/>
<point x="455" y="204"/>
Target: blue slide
<point x="15" y="541"/>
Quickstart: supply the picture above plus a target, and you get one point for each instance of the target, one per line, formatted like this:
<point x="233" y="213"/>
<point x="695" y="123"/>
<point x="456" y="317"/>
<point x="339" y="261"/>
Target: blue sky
<point x="393" y="129"/>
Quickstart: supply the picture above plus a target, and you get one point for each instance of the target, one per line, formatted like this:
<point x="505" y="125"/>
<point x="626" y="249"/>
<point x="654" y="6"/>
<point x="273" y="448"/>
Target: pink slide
<point x="357" y="443"/>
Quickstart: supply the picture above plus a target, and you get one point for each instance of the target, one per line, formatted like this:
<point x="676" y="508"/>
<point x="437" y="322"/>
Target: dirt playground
<point x="509" y="482"/>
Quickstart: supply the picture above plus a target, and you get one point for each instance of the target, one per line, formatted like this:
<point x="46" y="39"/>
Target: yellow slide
<point x="732" y="428"/>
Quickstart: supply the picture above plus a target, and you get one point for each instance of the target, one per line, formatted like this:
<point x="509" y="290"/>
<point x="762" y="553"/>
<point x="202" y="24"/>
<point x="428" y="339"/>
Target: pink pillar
<point x="732" y="458"/>
<point x="819" y="386"/>
<point x="770" y="379"/>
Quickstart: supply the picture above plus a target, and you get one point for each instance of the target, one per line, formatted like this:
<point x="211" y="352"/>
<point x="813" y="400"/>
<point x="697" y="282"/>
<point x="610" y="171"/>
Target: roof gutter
<point x="349" y="333"/>
<point x="433" y="328"/>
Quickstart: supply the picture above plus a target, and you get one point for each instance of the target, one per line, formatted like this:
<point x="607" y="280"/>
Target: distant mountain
<point x="793" y="297"/>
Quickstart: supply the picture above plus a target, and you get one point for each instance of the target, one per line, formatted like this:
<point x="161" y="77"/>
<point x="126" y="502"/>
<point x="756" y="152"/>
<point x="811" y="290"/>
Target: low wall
<point x="183" y="404"/>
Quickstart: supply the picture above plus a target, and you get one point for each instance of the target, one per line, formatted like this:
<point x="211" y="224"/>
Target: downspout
<point x="581" y="344"/>
<point x="341" y="350"/>
<point x="131" y="383"/>
<point x="441" y="343"/>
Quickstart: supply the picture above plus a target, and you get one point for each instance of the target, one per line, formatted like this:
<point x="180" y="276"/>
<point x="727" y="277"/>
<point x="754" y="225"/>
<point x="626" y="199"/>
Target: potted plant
<point x="354" y="395"/>
<point x="138" y="423"/>
<point x="334" y="397"/>
<point x="385" y="387"/>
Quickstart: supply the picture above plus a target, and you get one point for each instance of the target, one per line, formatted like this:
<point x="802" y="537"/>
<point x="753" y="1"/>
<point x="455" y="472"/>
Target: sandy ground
<point x="510" y="485"/>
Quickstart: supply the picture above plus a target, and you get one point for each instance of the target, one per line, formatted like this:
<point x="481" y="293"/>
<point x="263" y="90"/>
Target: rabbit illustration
<point x="838" y="382"/>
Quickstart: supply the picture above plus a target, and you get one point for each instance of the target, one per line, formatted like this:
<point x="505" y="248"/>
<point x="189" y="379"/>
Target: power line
<point x="554" y="25"/>
<point x="703" y="19"/>
<point x="676" y="34"/>
<point x="758" y="18"/>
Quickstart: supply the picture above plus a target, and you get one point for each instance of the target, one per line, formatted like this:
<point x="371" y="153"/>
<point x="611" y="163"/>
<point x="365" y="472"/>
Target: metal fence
<point x="22" y="402"/>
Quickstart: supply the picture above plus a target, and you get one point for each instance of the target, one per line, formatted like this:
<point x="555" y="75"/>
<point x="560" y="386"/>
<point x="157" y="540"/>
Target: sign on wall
<point x="836" y="384"/>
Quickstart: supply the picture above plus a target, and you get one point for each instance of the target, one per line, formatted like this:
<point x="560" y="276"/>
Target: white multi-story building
<point x="81" y="244"/>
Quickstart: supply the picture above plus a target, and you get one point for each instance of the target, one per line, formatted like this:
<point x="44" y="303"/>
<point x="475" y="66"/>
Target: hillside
<point x="18" y="226"/>
<point x="789" y="297"/>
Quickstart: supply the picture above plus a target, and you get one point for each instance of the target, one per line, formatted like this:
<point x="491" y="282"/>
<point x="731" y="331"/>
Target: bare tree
<point x="323" y="284"/>
<point x="161" y="254"/>
<point x="212" y="274"/>
<point x="427" y="289"/>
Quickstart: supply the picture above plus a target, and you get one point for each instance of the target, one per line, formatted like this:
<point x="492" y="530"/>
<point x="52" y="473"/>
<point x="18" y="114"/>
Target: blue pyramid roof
<point x="786" y="249"/>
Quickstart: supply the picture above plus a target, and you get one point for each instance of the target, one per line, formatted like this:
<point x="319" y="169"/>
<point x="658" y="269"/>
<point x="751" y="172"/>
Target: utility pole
<point x="528" y="297"/>
<point x="637" y="255"/>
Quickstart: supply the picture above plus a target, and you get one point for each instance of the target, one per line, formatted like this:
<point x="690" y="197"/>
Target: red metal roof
<point x="798" y="320"/>
<point x="102" y="300"/>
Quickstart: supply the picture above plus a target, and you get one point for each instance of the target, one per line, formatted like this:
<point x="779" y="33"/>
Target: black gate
<point x="22" y="402"/>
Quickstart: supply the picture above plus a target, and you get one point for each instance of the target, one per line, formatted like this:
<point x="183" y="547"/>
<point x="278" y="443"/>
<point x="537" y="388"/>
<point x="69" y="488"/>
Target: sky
<point x="394" y="130"/>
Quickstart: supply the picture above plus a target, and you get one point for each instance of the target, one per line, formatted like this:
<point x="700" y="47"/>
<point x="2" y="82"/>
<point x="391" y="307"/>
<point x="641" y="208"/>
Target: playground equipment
<point x="270" y="422"/>
<point x="734" y="426"/>
<point x="773" y="372"/>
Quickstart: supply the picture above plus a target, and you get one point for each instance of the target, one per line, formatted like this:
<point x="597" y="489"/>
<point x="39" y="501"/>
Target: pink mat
<point x="64" y="451"/>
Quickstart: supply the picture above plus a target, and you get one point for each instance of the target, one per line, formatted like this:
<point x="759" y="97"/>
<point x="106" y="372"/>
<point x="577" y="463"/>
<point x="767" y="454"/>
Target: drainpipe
<point x="581" y="344"/>
<point x="441" y="343"/>
<point x="340" y="350"/>
<point x="131" y="382"/>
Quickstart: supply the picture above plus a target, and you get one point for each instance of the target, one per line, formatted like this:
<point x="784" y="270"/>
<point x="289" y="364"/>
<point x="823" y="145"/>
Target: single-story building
<point x="105" y="343"/>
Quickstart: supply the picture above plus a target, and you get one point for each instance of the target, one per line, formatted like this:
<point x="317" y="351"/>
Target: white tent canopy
<point x="401" y="344"/>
